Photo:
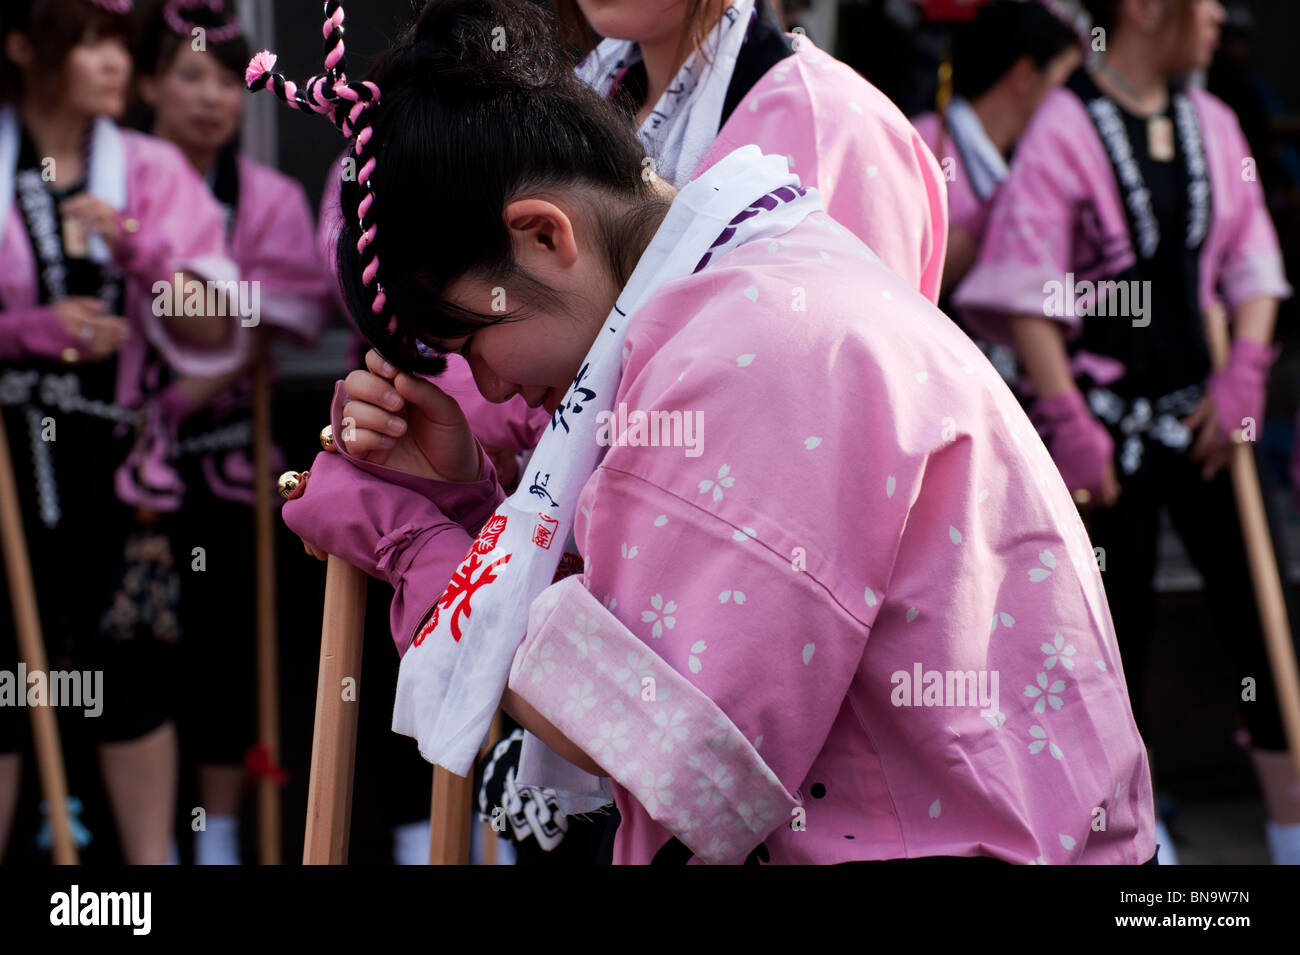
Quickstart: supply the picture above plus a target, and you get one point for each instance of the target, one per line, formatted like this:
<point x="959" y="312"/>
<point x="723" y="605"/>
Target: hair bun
<point x="475" y="48"/>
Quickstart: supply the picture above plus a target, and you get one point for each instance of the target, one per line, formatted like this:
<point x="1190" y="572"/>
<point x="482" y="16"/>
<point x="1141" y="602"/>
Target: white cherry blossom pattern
<point x="1048" y="560"/>
<point x="1044" y="695"/>
<point x="724" y="480"/>
<point x="629" y="677"/>
<point x="628" y="552"/>
<point x="998" y="721"/>
<point x="610" y="602"/>
<point x="612" y="740"/>
<point x="583" y="636"/>
<point x="744" y="534"/>
<point x="724" y="735"/>
<point x="582" y="698"/>
<point x="736" y="595"/>
<point x="1040" y="740"/>
<point x="714" y="781"/>
<point x="656" y="791"/>
<point x="542" y="662"/>
<point x="661" y="520"/>
<point x="698" y="647"/>
<point x="756" y="816"/>
<point x="1058" y="651"/>
<point x="1004" y="618"/>
<point x="661" y="615"/>
<point x="671" y="730"/>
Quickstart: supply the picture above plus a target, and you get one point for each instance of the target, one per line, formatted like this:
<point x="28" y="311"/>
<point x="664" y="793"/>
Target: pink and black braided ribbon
<point x="330" y="94"/>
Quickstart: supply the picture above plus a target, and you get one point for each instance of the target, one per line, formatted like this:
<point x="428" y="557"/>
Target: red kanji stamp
<point x="491" y="532"/>
<point x="544" y="532"/>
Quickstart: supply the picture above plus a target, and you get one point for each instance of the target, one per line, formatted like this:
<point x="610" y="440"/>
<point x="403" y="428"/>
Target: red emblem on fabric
<point x="491" y="532"/>
<point x="465" y="584"/>
<point x="544" y="532"/>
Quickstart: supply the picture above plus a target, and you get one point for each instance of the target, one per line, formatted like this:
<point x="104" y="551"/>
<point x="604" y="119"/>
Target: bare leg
<point x="11" y="771"/>
<point x="220" y="789"/>
<point x="140" y="776"/>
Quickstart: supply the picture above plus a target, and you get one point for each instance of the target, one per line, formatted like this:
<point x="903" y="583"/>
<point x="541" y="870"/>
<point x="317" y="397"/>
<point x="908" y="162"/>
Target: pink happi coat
<point x="966" y="211"/>
<point x="181" y="229"/>
<point x="1061" y="206"/>
<point x="272" y="241"/>
<point x="840" y="135"/>
<point x="867" y="504"/>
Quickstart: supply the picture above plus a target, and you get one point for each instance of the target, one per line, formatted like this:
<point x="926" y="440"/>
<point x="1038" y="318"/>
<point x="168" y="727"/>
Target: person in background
<point x="94" y="220"/>
<point x="197" y="99"/>
<point x="1129" y="177"/>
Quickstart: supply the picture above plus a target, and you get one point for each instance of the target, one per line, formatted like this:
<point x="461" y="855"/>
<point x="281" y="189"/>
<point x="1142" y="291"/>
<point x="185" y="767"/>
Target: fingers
<point x="372" y="388"/>
<point x="380" y="366"/>
<point x="367" y="429"/>
<point x="434" y="403"/>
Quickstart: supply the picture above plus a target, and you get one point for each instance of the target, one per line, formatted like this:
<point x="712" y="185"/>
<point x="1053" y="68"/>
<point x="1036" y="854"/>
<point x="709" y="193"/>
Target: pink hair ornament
<point x="330" y="94"/>
<point x="174" y="16"/>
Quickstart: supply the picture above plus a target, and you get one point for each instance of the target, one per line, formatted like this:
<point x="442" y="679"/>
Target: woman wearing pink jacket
<point x="794" y="574"/>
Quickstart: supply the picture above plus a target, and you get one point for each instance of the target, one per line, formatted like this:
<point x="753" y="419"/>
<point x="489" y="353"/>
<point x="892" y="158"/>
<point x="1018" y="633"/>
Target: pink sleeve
<point x="411" y="532"/>
<point x="32" y="331"/>
<point x="276" y="248"/>
<point x="646" y="724"/>
<point x="750" y="658"/>
<point x="1030" y="239"/>
<point x="1251" y="266"/>
<point x="181" y="229"/>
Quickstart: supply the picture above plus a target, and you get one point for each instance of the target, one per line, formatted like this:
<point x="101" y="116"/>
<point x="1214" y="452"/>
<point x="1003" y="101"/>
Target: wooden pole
<point x="31" y="650"/>
<point x="1263" y="565"/>
<point x="450" y="818"/>
<point x="268" y="671"/>
<point x="334" y="740"/>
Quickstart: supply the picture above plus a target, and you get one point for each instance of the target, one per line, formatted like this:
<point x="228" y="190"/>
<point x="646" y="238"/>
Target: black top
<point x="1170" y="352"/>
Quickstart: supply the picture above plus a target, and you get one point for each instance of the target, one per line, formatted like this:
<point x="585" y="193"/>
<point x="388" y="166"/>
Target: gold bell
<point x="70" y="355"/>
<point x="288" y="483"/>
<point x="1082" y="497"/>
<point x="131" y="226"/>
<point x="327" y="437"/>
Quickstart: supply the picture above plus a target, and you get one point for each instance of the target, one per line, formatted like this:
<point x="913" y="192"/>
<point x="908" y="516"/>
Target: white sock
<point x="1165" y="854"/>
<point x="1283" y="842"/>
<point x="218" y="844"/>
<point x="411" y="843"/>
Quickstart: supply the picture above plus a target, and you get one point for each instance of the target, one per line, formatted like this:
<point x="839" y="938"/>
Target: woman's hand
<point x="1212" y="447"/>
<point x="98" y="335"/>
<point x="95" y="214"/>
<point x="399" y="421"/>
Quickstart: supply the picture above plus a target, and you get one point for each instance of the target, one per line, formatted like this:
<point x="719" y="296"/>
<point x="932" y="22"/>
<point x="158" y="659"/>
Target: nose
<point x="490" y="385"/>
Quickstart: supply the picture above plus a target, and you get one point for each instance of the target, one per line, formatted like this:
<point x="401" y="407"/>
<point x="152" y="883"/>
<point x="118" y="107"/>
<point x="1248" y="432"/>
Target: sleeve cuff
<point x="650" y="728"/>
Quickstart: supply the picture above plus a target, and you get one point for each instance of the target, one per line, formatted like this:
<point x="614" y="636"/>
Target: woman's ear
<point x="541" y="234"/>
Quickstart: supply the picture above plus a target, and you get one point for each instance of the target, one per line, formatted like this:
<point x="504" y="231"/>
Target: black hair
<point x="1002" y="33"/>
<point x="55" y="28"/>
<point x="478" y="108"/>
<point x="160" y="42"/>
